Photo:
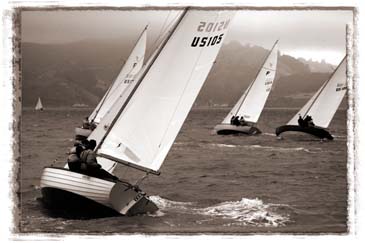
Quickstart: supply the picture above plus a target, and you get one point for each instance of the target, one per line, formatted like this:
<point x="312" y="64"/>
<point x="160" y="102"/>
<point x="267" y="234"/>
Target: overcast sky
<point x="303" y="33"/>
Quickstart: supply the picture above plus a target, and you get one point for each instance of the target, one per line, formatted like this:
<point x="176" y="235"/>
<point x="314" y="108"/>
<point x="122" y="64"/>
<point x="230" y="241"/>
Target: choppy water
<point x="208" y="183"/>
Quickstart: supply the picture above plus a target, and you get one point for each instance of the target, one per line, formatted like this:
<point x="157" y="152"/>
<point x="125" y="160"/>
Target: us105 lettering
<point x="206" y="41"/>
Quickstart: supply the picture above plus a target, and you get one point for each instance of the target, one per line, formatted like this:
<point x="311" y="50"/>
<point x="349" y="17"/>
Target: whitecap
<point x="222" y="145"/>
<point x="244" y="212"/>
<point x="280" y="148"/>
<point x="164" y="204"/>
<point x="269" y="134"/>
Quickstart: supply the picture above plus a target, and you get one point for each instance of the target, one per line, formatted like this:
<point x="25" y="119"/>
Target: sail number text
<point x="268" y="85"/>
<point x="209" y="27"/>
<point x="340" y="87"/>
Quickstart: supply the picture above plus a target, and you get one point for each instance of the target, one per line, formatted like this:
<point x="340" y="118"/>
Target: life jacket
<point x="88" y="157"/>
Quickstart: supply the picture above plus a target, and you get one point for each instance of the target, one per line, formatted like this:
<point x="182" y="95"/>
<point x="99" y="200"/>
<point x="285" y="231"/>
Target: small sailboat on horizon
<point x="244" y="115"/>
<point x="39" y="106"/>
<point x="165" y="94"/>
<point x="316" y="115"/>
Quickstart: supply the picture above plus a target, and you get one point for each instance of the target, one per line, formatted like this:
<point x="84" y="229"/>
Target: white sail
<point x="126" y="76"/>
<point x="99" y="132"/>
<point x="39" y="105"/>
<point x="252" y="102"/>
<point x="323" y="105"/>
<point x="152" y="118"/>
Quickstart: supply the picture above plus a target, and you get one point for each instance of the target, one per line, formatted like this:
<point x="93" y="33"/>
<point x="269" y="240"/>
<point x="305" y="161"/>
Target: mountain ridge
<point x="80" y="73"/>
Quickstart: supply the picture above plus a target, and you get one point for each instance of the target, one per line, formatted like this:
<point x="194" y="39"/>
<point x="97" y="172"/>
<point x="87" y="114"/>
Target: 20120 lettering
<point x="209" y="27"/>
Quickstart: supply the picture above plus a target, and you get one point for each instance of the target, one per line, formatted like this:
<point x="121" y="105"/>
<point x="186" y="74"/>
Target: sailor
<point x="301" y="121"/>
<point x="232" y="119"/>
<point x="242" y="121"/>
<point x="89" y="164"/>
<point x="73" y="160"/>
<point x="88" y="156"/>
<point x="236" y="121"/>
<point x="310" y="121"/>
<point x="92" y="126"/>
<point x="86" y="123"/>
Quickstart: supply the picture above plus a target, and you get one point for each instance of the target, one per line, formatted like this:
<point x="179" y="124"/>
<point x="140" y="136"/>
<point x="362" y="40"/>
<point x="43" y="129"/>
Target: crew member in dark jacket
<point x="73" y="160"/>
<point x="89" y="164"/>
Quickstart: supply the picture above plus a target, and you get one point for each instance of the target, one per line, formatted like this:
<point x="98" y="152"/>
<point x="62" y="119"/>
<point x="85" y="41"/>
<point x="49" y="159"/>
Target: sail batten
<point x="251" y="103"/>
<point x="145" y="130"/>
<point x="323" y="104"/>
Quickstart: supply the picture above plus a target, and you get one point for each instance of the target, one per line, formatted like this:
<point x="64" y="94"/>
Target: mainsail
<point x="252" y="102"/>
<point x="145" y="129"/>
<point x="126" y="76"/>
<point x="324" y="103"/>
<point x="39" y="105"/>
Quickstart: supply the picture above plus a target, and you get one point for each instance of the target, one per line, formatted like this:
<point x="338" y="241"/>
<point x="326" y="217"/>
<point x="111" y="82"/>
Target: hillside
<point x="63" y="75"/>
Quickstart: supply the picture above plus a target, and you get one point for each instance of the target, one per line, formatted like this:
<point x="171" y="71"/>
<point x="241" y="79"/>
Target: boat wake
<point x="269" y="134"/>
<point x="222" y="145"/>
<point x="281" y="149"/>
<point x="256" y="146"/>
<point x="246" y="212"/>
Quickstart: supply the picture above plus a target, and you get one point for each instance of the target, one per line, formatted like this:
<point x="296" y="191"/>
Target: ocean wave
<point x="168" y="204"/>
<point x="250" y="212"/>
<point x="256" y="146"/>
<point x="247" y="212"/>
<point x="339" y="136"/>
<point x="222" y="145"/>
<point x="269" y="134"/>
<point x="279" y="148"/>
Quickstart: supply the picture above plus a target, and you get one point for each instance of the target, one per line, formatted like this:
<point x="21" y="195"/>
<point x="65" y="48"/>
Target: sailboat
<point x="253" y="100"/>
<point x="322" y="106"/>
<point x="39" y="106"/>
<point x="117" y="89"/>
<point x="145" y="127"/>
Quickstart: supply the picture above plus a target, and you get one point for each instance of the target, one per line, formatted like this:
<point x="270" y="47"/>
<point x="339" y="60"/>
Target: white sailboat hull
<point x="226" y="129"/>
<point x="59" y="183"/>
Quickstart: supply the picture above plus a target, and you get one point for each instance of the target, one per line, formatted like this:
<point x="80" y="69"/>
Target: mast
<point x="110" y="87"/>
<point x="138" y="83"/>
<point x="323" y="86"/>
<point x="251" y="84"/>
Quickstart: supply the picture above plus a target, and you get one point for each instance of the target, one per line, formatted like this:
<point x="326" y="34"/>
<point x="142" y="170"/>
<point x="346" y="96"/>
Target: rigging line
<point x="104" y="97"/>
<point x="139" y="181"/>
<point x="116" y="76"/>
<point x="164" y="32"/>
<point x="257" y="74"/>
<point x="323" y="86"/>
<point x="159" y="34"/>
<point x="162" y="28"/>
<point x="140" y="80"/>
<point x="125" y="171"/>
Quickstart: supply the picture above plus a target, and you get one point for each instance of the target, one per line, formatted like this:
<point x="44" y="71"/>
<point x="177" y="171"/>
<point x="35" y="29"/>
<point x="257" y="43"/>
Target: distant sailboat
<point x="119" y="86"/>
<point x="322" y="106"/>
<point x="39" y="106"/>
<point x="145" y="127"/>
<point x="252" y="102"/>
